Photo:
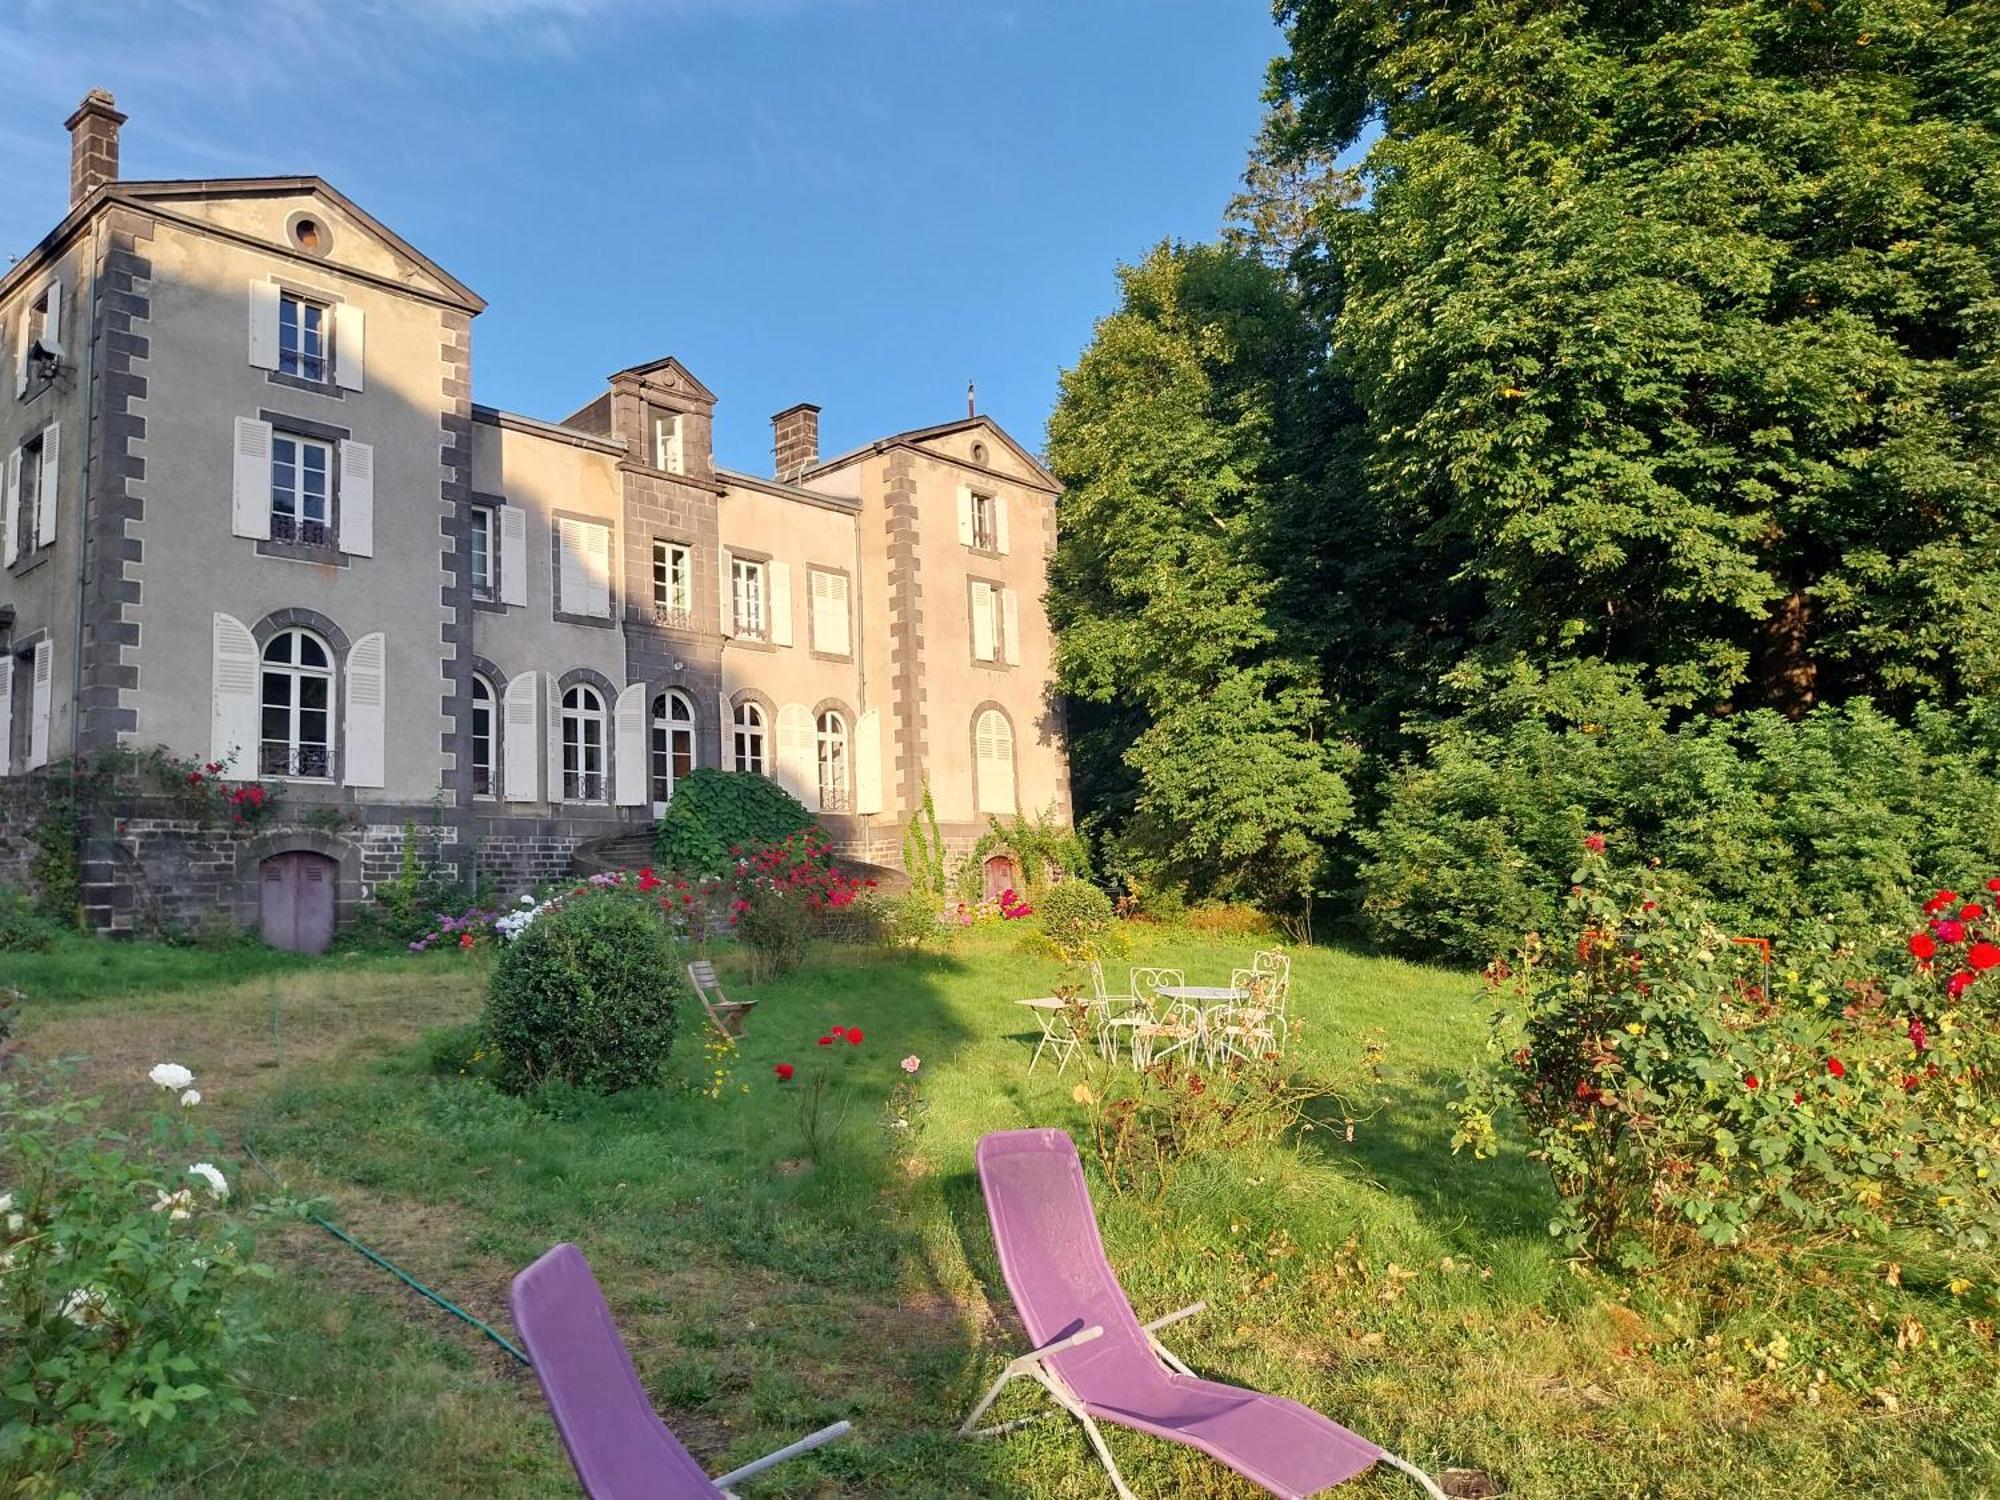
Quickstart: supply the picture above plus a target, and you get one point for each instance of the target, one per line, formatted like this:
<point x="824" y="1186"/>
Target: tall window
<point x="482" y="738"/>
<point x="746" y="592"/>
<point x="302" y="329"/>
<point x="26" y="520"/>
<point x="673" y="584"/>
<point x="480" y="545"/>
<point x="673" y="744"/>
<point x="297" y="702"/>
<point x="583" y="745"/>
<point x="985" y="528"/>
<point x="993" y="762"/>
<point x="750" y="738"/>
<point x="830" y="737"/>
<point x="301" y="494"/>
<point x="667" y="452"/>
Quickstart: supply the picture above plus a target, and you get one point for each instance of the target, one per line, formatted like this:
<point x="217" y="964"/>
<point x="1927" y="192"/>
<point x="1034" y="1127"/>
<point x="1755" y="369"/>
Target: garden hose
<point x="392" y="1268"/>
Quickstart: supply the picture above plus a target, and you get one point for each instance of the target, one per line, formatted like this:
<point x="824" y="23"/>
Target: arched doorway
<point x="1000" y="876"/>
<point x="295" y="900"/>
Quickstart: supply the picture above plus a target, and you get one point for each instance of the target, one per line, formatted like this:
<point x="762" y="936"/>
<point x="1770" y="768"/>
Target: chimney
<point x="795" y="439"/>
<point x="93" y="144"/>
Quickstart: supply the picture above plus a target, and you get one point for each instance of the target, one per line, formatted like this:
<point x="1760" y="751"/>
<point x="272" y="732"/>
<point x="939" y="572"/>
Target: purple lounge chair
<point x="1100" y="1364"/>
<point x="621" y="1449"/>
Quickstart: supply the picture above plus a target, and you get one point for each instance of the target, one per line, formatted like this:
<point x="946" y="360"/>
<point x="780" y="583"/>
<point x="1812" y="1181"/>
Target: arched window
<point x="296" y="732"/>
<point x="993" y="762"/>
<point x="749" y="738"/>
<point x="583" y="744"/>
<point x="672" y="745"/>
<point x="482" y="737"/>
<point x="830" y="739"/>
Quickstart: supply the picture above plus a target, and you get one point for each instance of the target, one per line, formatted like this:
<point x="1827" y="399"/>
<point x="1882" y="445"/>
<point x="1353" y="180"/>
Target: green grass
<point x="80" y="968"/>
<point x="1411" y="1295"/>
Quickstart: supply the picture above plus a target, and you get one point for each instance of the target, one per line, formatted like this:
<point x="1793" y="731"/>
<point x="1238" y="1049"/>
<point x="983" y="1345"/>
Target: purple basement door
<point x="295" y="901"/>
<point x="1000" y="877"/>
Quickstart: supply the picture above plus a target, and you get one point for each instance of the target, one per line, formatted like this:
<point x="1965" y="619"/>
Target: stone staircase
<point x="631" y="849"/>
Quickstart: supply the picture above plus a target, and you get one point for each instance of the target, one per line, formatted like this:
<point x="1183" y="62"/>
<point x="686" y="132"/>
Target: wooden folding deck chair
<point x="727" y="1015"/>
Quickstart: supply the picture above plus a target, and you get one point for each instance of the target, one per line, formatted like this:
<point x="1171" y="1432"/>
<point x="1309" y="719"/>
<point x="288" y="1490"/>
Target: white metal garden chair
<point x="1122" y="1016"/>
<point x="1250" y="1029"/>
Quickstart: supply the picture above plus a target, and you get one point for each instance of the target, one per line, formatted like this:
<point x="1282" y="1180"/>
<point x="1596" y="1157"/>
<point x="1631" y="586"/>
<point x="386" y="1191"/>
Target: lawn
<point x="1413" y="1296"/>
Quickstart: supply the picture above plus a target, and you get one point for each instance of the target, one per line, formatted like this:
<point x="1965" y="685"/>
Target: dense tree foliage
<point x="1648" y="362"/>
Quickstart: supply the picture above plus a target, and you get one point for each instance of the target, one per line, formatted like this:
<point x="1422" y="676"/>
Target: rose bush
<point x="1681" y="1088"/>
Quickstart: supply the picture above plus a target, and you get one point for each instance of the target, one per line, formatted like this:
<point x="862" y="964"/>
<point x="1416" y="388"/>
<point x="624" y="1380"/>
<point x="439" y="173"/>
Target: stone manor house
<point x="253" y="513"/>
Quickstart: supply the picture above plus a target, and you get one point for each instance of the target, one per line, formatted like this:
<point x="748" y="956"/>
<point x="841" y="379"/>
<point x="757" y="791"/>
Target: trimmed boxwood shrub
<point x="1078" y="920"/>
<point x="590" y="994"/>
<point x="716" y="811"/>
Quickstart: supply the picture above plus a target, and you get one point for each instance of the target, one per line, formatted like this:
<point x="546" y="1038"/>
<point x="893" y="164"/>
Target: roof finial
<point x="971" y="403"/>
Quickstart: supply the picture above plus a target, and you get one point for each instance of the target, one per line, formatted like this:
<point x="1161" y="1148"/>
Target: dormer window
<point x="668" y="452"/>
<point x="302" y="337"/>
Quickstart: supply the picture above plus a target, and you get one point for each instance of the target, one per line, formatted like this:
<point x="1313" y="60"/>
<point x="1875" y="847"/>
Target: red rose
<point x="784" y="1072"/>
<point x="854" y="1038"/>
<point x="1959" y="983"/>
<point x="1972" y="911"/>
<point x="1948" y="930"/>
<point x="1923" y="946"/>
<point x="1993" y="884"/>
<point x="837" y="1031"/>
<point x="1594" y="843"/>
<point x="826" y="1041"/>
<point x="1939" y="902"/>
<point x="1750" y="1080"/>
<point x="1836" y="1067"/>
<point x="1983" y="955"/>
<point x="1909" y="1083"/>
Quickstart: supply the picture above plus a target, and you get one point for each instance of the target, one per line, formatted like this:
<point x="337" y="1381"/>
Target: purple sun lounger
<point x="620" y="1447"/>
<point x="1101" y="1365"/>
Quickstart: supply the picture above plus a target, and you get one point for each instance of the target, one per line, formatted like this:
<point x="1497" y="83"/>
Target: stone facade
<point x="282" y="535"/>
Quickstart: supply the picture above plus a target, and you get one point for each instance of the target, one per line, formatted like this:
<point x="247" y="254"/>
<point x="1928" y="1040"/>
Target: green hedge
<point x="1837" y="815"/>
<point x="715" y="811"/>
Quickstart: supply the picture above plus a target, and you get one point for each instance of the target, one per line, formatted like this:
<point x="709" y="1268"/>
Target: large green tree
<point x="1202" y="736"/>
<point x="1669" y="327"/>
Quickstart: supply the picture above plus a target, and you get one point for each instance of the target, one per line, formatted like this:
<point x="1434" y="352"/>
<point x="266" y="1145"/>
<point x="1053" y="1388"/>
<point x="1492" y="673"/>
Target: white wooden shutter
<point x="552" y="721"/>
<point x="830" y="624"/>
<point x="1000" y="540"/>
<point x="367" y="700"/>
<point x="596" y="571"/>
<point x="6" y="710"/>
<point x="264" y="324"/>
<point x="570" y="574"/>
<point x="781" y="604"/>
<point x="53" y="321"/>
<point x="727" y="590"/>
<point x="676" y="447"/>
<point x="357" y="498"/>
<point x="38" y="714"/>
<point x="965" y="535"/>
<point x="993" y="763"/>
<point x="11" y="522"/>
<point x="520" y="778"/>
<point x="47" y="493"/>
<point x="232" y="714"/>
<point x="513" y="555"/>
<point x="795" y="764"/>
<point x="21" y="354"/>
<point x="250" y="508"/>
<point x="1010" y="627"/>
<point x="350" y="345"/>
<point x="628" y="748"/>
<point x="868" y="762"/>
<point x="982" y="621"/>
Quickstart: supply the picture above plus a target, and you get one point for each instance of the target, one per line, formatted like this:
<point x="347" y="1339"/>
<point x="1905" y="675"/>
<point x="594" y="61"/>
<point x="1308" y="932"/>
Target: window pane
<point x="311" y="652"/>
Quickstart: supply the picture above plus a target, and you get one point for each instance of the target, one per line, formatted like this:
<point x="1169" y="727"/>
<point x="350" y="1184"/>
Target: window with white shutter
<point x="48" y="491"/>
<point x="367" y="710"/>
<point x="993" y="762"/>
<point x="233" y="716"/>
<point x="10" y="518"/>
<point x="357" y="498"/>
<point x="41" y="330"/>
<point x="984" y="624"/>
<point x="38" y="710"/>
<point x="520" y="743"/>
<point x="830" y="616"/>
<point x="513" y="555"/>
<point x="1010" y="627"/>
<point x="583" y="569"/>
<point x="6" y="714"/>
<point x="250" y="496"/>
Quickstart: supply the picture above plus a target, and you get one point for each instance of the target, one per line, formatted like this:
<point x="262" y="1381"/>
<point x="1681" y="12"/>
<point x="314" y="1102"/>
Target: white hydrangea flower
<point x="190" y="1098"/>
<point x="177" y="1205"/>
<point x="218" y="1185"/>
<point x="171" y="1076"/>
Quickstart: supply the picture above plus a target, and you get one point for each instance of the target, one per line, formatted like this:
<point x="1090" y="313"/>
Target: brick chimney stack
<point x="795" y="439"/>
<point x="93" y="144"/>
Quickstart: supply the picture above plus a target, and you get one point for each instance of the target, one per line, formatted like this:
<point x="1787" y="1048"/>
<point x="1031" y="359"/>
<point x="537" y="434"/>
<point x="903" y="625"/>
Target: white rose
<point x="171" y="1076"/>
<point x="218" y="1185"/>
<point x="190" y="1098"/>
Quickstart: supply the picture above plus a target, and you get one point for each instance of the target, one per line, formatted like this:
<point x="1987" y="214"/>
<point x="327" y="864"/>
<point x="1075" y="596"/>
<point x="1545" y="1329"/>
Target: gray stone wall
<point x="23" y="800"/>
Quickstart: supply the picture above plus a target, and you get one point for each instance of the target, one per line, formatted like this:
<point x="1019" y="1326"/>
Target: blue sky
<point x="861" y="203"/>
